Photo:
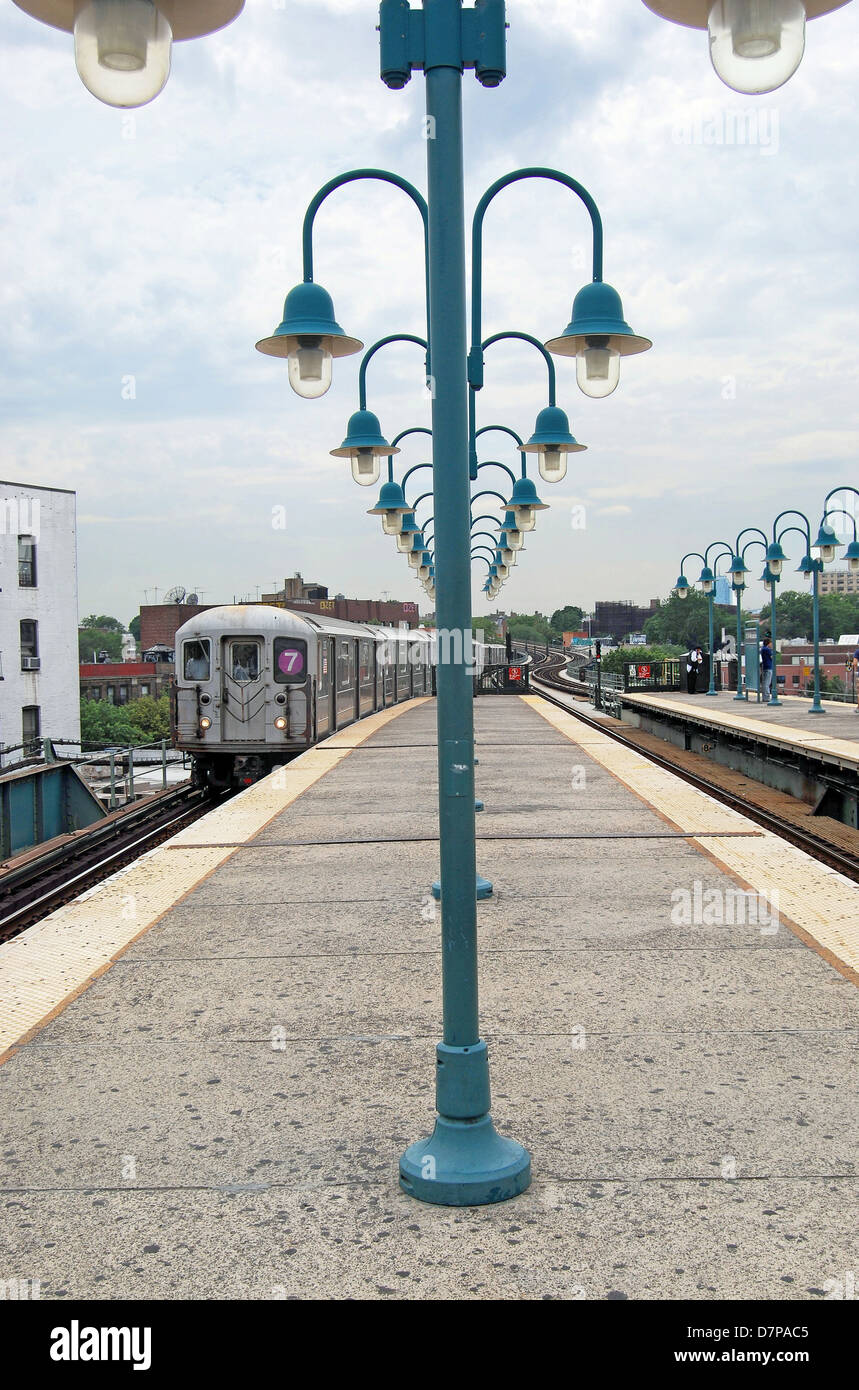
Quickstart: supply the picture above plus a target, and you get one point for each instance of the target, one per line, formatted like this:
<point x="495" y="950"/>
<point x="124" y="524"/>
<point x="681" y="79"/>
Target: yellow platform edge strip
<point x="818" y="904"/>
<point x="50" y="964"/>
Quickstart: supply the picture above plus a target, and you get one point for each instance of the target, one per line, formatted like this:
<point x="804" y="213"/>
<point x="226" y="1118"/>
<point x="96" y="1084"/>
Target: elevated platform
<point x="814" y="757"/>
<point x="215" y="1060"/>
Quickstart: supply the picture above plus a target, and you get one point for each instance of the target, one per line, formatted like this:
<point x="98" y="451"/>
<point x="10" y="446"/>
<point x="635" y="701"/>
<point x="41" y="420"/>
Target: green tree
<point x="487" y="627"/>
<point x="567" y="619"/>
<point x="680" y="621"/>
<point x="839" y="613"/>
<point x="150" y="717"/>
<point x="99" y="639"/>
<point x="103" y="724"/>
<point x="793" y="614"/>
<point x="134" y="627"/>
<point x="614" y="661"/>
<point x="531" y="627"/>
<point x="102" y="622"/>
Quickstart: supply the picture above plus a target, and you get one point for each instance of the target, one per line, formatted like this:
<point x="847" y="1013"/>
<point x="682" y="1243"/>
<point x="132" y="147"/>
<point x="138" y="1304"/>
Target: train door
<point x="324" y="703"/>
<point x="365" y="676"/>
<point x="242" y="690"/>
<point x="347" y="681"/>
<point x="379" y="670"/>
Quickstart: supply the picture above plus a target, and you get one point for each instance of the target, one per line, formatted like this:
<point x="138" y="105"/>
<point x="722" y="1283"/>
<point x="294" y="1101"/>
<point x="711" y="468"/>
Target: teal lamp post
<point x="776" y="558"/>
<point x="755" y="45"/>
<point x="707" y="580"/>
<point x="738" y="572"/>
<point x="465" y="1161"/>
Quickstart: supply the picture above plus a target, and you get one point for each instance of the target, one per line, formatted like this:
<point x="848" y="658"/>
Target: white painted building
<point x="39" y="691"/>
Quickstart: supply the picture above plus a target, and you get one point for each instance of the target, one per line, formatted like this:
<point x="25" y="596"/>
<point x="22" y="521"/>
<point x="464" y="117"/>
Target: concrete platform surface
<point x="221" y="1113"/>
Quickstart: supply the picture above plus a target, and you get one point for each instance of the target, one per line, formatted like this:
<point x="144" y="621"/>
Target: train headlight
<point x="280" y="722"/>
<point x="205" y="723"/>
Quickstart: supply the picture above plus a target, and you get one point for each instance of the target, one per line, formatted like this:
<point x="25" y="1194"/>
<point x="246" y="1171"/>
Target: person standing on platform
<point x="694" y="658"/>
<point x="766" y="668"/>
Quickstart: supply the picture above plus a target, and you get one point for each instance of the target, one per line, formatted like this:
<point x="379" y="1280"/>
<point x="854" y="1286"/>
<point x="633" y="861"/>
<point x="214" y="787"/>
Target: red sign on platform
<point x="514" y="673"/>
<point x="644" y="673"/>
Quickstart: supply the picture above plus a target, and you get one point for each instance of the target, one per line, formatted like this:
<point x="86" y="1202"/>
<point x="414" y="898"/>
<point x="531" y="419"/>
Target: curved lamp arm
<point x="841" y="511"/>
<point x="475" y="356"/>
<point x="726" y="550"/>
<point x="490" y="492"/>
<point x="417" y="502"/>
<point x="412" y="470"/>
<point x="791" y="511"/>
<point x="503" y="429"/>
<point x="493" y="520"/>
<point x="535" y="342"/>
<point x="493" y="463"/>
<point x="383" y="342"/>
<point x="403" y="434"/>
<point x="384" y="176"/>
<point x="488" y="534"/>
<point x="746" y="529"/>
<point x="692" y="554"/>
<point x="806" y="534"/>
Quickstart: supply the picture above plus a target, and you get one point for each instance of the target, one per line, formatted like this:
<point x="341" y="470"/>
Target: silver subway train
<point x="256" y="685"/>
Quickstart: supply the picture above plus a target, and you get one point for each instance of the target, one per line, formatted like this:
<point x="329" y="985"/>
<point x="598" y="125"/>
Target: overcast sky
<point x="145" y="254"/>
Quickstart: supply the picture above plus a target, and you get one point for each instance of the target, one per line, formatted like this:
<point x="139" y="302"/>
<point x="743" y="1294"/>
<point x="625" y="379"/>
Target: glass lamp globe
<point x="365" y="467"/>
<point x="553" y="465"/>
<point x="597" y="367"/>
<point x="756" y="45"/>
<point x="122" y="50"/>
<point x="310" y="367"/>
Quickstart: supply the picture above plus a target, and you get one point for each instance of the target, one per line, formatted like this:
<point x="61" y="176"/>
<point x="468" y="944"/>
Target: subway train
<point x="255" y="685"/>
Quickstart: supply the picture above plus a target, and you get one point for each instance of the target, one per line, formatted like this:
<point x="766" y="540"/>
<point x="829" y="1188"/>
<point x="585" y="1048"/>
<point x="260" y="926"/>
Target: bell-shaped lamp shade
<point x="309" y="337"/>
<point x="364" y="446"/>
<point x="598" y="336"/>
<point x="682" y="587"/>
<point x="826" y="543"/>
<point x="406" y="534"/>
<point x="706" y="580"/>
<point x="122" y="47"/>
<point x="755" y="45"/>
<point x="768" y="577"/>
<point x="417" y="552"/>
<point x="775" y="557"/>
<point x="738" y="572"/>
<point x="805" y="566"/>
<point x="515" y="539"/>
<point x="525" y="504"/>
<point x="551" y="442"/>
<point x="392" y="507"/>
<point x="851" y="555"/>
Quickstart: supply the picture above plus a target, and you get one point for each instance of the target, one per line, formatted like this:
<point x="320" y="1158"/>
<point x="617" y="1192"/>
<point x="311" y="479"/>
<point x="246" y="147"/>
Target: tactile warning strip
<point x="813" y="740"/>
<point x="820" y="905"/>
<point x="48" y="965"/>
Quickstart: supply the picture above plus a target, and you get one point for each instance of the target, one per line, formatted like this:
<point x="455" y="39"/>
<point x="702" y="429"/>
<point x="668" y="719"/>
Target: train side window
<point x="366" y="672"/>
<point x="244" y="661"/>
<point x="197" y="657"/>
<point x="323" y="667"/>
<point x="290" y="661"/>
<point x="343" y="654"/>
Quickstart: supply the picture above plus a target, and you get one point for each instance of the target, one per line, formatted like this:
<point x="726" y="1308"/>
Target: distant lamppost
<point x="707" y="580"/>
<point x="738" y="572"/>
<point x="755" y="45"/>
<point x="808" y="565"/>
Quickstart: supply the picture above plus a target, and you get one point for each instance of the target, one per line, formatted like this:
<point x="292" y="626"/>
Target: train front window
<point x="290" y="661"/>
<point x="197" y="659"/>
<point x="244" y="661"/>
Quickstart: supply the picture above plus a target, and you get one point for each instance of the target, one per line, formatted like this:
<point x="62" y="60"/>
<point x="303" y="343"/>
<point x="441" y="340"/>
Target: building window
<point x="31" y="724"/>
<point x="111" y="694"/>
<point x="26" y="562"/>
<point x="95" y="692"/>
<point x="144" y="689"/>
<point x="122" y="692"/>
<point x="29" y="630"/>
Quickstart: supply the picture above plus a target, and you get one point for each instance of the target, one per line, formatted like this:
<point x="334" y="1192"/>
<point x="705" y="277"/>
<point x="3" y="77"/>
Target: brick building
<point x="839" y="582"/>
<point x="159" y="622"/>
<point x="121" y="681"/>
<point x="620" y="618"/>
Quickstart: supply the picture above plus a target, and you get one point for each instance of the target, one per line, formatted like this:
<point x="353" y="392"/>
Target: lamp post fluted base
<point x="465" y="1163"/>
<point x="817" y="709"/>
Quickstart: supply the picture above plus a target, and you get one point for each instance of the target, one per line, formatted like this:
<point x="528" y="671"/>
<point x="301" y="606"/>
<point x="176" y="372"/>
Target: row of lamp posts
<point x="826" y="544"/>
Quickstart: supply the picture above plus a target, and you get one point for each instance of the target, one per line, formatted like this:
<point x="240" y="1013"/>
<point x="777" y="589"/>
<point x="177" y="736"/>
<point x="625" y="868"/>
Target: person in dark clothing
<point x="694" y="658"/>
<point x="766" y="668"/>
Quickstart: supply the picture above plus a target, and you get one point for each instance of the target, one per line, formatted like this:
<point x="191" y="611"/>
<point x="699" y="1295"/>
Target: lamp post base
<point x="465" y="1163"/>
<point x="817" y="709"/>
<point x="483" y="889"/>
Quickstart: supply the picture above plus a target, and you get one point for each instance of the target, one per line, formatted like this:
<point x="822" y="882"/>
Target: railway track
<point x="35" y="884"/>
<point x="545" y="678"/>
